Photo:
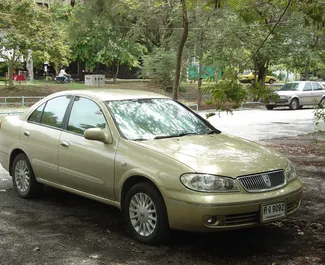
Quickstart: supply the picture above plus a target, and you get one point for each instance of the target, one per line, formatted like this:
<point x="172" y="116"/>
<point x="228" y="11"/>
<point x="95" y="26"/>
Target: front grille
<point x="263" y="181"/>
<point x="242" y="219"/>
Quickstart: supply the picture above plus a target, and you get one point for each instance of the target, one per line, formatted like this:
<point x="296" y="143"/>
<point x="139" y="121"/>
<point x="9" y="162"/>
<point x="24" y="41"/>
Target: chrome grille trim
<point x="264" y="181"/>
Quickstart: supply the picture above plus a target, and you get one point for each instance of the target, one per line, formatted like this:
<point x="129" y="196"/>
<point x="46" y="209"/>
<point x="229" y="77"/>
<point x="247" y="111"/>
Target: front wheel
<point x="271" y="81"/>
<point x="23" y="178"/>
<point x="146" y="214"/>
<point x="294" y="104"/>
<point x="269" y="107"/>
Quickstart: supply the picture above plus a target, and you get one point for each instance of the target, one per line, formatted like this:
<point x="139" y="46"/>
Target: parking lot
<point x="61" y="228"/>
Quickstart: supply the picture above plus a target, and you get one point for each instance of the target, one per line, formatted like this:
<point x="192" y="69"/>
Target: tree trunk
<point x="180" y="51"/>
<point x="262" y="70"/>
<point x="10" y="74"/>
<point x="117" y="70"/>
<point x="199" y="81"/>
<point x="307" y="69"/>
<point x="199" y="85"/>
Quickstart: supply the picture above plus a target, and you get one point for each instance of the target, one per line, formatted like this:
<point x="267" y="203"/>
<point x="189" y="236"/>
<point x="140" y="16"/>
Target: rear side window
<point x="317" y="86"/>
<point x="37" y="114"/>
<point x="52" y="112"/>
<point x="307" y="87"/>
<point x="85" y="114"/>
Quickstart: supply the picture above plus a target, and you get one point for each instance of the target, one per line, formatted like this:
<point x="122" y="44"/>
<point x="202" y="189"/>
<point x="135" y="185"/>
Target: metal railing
<point x="22" y="101"/>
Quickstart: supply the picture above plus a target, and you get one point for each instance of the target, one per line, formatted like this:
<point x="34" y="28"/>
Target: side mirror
<point x="97" y="134"/>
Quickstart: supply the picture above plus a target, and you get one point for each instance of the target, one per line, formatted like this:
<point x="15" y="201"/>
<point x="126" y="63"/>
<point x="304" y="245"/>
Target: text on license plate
<point x="273" y="211"/>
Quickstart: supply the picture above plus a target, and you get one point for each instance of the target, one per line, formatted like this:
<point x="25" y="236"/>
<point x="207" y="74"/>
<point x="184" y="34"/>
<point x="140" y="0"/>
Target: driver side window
<point x="85" y="114"/>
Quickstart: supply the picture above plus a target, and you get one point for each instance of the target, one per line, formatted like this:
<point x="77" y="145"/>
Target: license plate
<point x="273" y="211"/>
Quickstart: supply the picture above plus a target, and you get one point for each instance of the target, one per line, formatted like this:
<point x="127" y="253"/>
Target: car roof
<point x="303" y="82"/>
<point x="112" y="94"/>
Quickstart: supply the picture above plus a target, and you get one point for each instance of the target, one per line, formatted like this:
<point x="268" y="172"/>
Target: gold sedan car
<point x="160" y="163"/>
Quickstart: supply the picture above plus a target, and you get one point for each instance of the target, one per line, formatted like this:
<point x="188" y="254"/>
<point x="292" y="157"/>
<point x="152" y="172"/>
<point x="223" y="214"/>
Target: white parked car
<point x="297" y="94"/>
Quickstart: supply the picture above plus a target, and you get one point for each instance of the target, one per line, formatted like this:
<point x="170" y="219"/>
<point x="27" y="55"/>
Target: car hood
<point x="219" y="154"/>
<point x="286" y="93"/>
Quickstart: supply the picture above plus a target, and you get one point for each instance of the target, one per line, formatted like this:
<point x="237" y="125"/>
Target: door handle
<point x="65" y="144"/>
<point x="27" y="133"/>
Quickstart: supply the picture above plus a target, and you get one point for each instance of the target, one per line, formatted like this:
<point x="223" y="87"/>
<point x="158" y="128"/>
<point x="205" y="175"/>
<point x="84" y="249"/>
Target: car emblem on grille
<point x="267" y="180"/>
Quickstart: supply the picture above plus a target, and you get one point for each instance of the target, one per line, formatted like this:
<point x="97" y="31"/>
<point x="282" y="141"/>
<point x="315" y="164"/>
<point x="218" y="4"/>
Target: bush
<point x="227" y="94"/>
<point x="257" y="92"/>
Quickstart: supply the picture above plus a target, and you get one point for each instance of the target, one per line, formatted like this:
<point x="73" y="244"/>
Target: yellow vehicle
<point x="160" y="163"/>
<point x="248" y="77"/>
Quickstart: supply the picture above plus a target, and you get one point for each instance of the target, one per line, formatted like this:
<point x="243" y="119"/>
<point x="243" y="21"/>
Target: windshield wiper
<point x="214" y="132"/>
<point x="174" y="135"/>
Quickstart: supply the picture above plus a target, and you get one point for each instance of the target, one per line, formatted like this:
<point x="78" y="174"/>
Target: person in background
<point x="63" y="74"/>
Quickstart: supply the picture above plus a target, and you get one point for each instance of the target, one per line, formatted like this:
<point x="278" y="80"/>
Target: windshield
<point x="289" y="87"/>
<point x="143" y="119"/>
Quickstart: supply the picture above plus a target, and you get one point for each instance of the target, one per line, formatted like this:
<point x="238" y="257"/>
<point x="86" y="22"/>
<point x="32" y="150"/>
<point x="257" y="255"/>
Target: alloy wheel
<point x="143" y="214"/>
<point x="22" y="176"/>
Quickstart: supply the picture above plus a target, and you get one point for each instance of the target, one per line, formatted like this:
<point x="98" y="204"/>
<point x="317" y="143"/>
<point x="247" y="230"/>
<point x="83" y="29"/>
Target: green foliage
<point x="228" y="93"/>
<point x="159" y="67"/>
<point x="99" y="33"/>
<point x="257" y="92"/>
<point x="28" y="26"/>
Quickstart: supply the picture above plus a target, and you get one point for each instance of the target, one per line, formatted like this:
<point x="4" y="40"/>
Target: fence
<point x="9" y="102"/>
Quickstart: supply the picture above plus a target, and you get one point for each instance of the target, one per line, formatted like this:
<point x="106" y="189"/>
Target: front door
<point x="85" y="165"/>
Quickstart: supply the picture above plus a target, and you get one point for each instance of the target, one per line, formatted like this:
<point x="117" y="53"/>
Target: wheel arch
<point x="13" y="155"/>
<point x="295" y="97"/>
<point x="129" y="183"/>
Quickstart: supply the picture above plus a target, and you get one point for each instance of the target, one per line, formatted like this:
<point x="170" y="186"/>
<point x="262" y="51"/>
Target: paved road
<point x="261" y="124"/>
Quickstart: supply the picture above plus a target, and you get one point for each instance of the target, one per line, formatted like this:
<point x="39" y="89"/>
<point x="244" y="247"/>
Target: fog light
<point x="212" y="220"/>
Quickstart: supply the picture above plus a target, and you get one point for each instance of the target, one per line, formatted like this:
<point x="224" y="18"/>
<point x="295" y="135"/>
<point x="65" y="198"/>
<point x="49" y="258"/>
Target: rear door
<point x="40" y="135"/>
<point x="318" y="92"/>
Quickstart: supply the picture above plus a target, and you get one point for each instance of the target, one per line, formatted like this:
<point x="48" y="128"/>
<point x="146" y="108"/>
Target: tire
<point x="252" y="82"/>
<point x="322" y="103"/>
<point x="23" y="178"/>
<point x="271" y="81"/>
<point x="156" y="228"/>
<point x="294" y="104"/>
<point x="269" y="107"/>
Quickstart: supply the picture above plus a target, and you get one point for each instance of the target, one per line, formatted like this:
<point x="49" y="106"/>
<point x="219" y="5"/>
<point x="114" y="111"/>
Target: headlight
<point x="290" y="172"/>
<point x="283" y="97"/>
<point x="209" y="183"/>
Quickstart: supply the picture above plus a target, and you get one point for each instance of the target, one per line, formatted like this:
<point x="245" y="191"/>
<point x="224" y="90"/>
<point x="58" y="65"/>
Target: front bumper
<point x="245" y="80"/>
<point x="190" y="211"/>
<point x="280" y="102"/>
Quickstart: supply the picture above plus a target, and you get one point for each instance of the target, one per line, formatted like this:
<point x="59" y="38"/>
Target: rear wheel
<point x="269" y="107"/>
<point x="322" y="103"/>
<point x="146" y="214"/>
<point x="294" y="104"/>
<point x="23" y="178"/>
<point x="271" y="81"/>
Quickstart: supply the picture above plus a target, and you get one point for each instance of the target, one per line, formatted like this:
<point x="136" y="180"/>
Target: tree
<point x="26" y="26"/>
<point x="100" y="33"/>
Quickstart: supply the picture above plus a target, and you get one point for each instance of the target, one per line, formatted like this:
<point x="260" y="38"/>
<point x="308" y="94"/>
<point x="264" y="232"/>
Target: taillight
<point x="0" y="124"/>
